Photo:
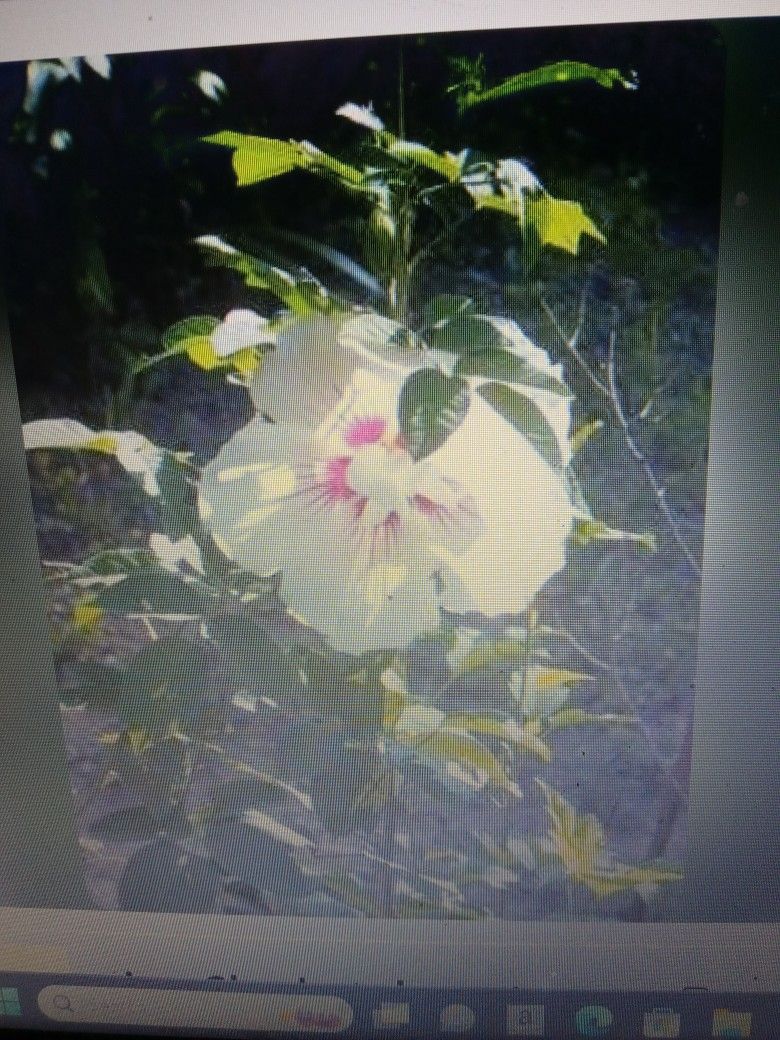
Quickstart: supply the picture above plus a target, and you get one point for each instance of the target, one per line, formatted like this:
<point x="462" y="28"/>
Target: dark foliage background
<point x="97" y="247"/>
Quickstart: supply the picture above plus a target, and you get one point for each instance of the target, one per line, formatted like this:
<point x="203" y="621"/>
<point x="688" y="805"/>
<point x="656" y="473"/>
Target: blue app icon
<point x="593" y="1020"/>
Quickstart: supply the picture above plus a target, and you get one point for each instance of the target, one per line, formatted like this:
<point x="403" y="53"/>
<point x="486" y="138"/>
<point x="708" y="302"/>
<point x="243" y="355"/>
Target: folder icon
<point x="731" y="1025"/>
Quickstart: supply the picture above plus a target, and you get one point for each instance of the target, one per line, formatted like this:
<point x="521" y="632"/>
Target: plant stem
<point x="641" y="459"/>
<point x="390" y="830"/>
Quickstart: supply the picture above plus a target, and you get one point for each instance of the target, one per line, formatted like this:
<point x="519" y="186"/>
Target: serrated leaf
<point x="301" y="293"/>
<point x="527" y="418"/>
<point x="559" y="222"/>
<point x="430" y="407"/>
<point x="509" y="368"/>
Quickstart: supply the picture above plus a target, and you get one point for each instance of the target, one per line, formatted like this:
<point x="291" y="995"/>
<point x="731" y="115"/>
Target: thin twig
<point x="610" y="392"/>
<point x="570" y="343"/>
<point x="641" y="459"/>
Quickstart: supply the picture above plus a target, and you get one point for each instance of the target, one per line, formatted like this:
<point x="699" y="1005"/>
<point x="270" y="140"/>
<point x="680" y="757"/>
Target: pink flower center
<point x="364" y="431"/>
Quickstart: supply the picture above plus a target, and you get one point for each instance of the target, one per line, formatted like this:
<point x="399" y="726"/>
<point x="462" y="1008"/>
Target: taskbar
<point x="233" y="1007"/>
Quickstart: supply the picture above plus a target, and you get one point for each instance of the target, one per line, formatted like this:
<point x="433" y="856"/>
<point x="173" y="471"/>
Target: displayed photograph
<point x="365" y="388"/>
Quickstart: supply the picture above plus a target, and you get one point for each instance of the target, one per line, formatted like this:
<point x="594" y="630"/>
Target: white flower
<point x="240" y="329"/>
<point x="210" y="85"/>
<point x="180" y="557"/>
<point x="134" y="452"/>
<point x="363" y="115"/>
<point x="304" y="378"/>
<point x="371" y="544"/>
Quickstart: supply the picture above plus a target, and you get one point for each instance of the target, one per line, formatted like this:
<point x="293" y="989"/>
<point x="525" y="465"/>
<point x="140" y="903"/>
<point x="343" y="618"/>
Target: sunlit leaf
<point x="471" y="90"/>
<point x="526" y="417"/>
<point x="445" y="165"/>
<point x="477" y="763"/>
<point x="198" y="326"/>
<point x="583" y="434"/>
<point x="579" y="843"/>
<point x="257" y="158"/>
<point x="559" y="222"/>
<point x="587" y="531"/>
<point x="301" y="293"/>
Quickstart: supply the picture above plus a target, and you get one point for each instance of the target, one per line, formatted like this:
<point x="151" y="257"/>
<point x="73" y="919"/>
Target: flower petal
<point x="525" y="509"/>
<point x="260" y="499"/>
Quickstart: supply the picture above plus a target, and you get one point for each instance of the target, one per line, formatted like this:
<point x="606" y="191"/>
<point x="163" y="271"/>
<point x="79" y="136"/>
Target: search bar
<point x="193" y="1009"/>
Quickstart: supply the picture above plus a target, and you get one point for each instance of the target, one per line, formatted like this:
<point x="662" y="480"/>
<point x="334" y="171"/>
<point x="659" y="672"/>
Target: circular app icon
<point x="457" y="1018"/>
<point x="593" y="1020"/>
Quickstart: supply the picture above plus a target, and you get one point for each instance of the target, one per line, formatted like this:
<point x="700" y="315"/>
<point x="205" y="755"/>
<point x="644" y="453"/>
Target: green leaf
<point x="445" y="165"/>
<point x="98" y="687"/>
<point x="584" y="433"/>
<point x="509" y="368"/>
<point x="189" y="328"/>
<point x="469" y="754"/>
<point x="587" y="531"/>
<point x="465" y="333"/>
<point x="352" y="786"/>
<point x="526" y="417"/>
<point x="559" y="222"/>
<point x="301" y="293"/>
<point x="164" y="688"/>
<point x="473" y="93"/>
<point x="258" y="159"/>
<point x="493" y="652"/>
<point x="430" y="407"/>
<point x="577" y="717"/>
<point x="445" y="307"/>
<point x="153" y="590"/>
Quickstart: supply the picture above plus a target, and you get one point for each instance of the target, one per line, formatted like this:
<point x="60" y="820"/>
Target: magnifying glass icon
<point x="62" y="1003"/>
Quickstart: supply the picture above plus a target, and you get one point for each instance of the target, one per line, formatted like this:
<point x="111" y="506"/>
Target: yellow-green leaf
<point x="584" y="433"/>
<point x="558" y="222"/>
<point x="587" y="531"/>
<point x="469" y="754"/>
<point x="446" y="165"/>
<point x="200" y="351"/>
<point x="492" y="652"/>
<point x="577" y="717"/>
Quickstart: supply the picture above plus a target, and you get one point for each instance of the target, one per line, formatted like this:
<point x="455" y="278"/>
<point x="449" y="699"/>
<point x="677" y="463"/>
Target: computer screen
<point x="390" y="542"/>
